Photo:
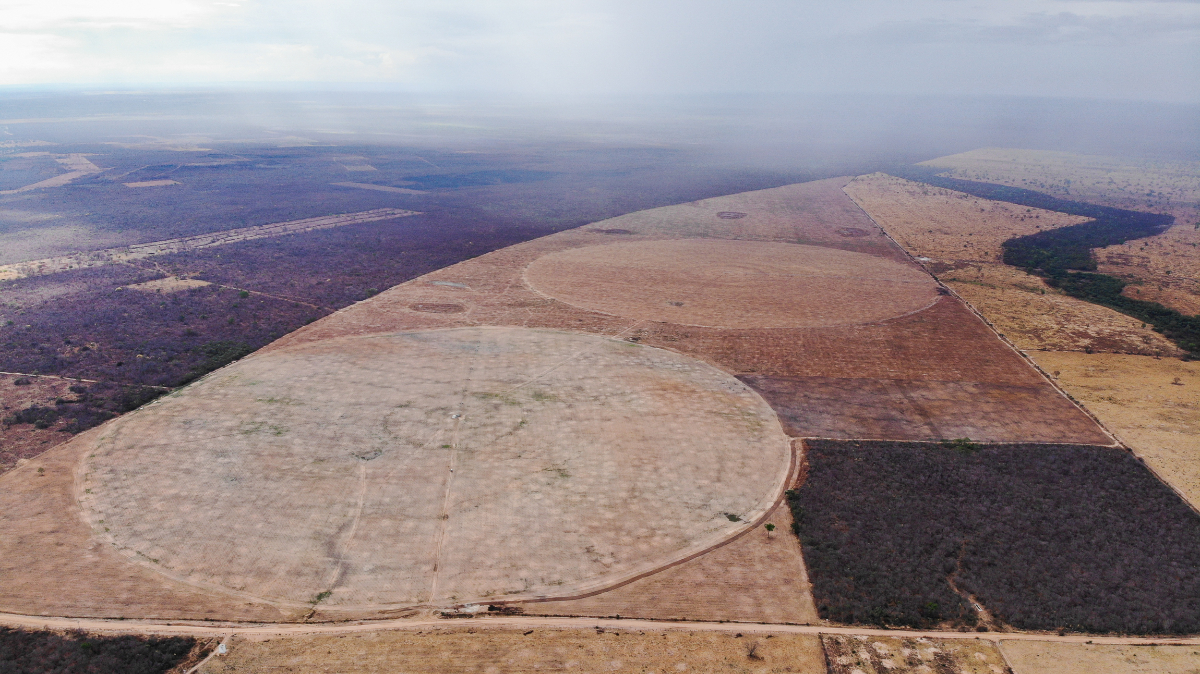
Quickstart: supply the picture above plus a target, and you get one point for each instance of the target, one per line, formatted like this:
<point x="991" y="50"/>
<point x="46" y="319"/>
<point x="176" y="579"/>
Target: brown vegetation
<point x="1163" y="268"/>
<point x="1151" y="404"/>
<point x="1046" y="657"/>
<point x="887" y="655"/>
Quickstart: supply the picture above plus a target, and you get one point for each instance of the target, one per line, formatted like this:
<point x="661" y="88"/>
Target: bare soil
<point x="760" y="576"/>
<point x="1044" y="657"/>
<point x="1137" y="398"/>
<point x="495" y="651"/>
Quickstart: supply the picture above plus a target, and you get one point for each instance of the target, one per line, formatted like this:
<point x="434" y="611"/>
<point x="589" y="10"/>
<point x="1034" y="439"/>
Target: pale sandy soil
<point x="1158" y="186"/>
<point x="729" y="583"/>
<point x="1135" y="398"/>
<point x="959" y="237"/>
<point x="884" y="655"/>
<point x="451" y="650"/>
<point x="97" y="258"/>
<point x="733" y="284"/>
<point x="171" y="284"/>
<point x="152" y="183"/>
<point x="1043" y="657"/>
<point x="437" y="468"/>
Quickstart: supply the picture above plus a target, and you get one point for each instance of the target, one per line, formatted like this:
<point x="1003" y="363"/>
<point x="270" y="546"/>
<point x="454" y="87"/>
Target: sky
<point x="1143" y="50"/>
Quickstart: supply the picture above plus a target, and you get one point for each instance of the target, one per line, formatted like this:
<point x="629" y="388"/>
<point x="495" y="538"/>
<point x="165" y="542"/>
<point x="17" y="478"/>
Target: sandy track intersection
<point x="436" y="467"/>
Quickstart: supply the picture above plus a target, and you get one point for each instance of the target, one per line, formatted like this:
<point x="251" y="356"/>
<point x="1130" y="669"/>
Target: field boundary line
<point x="226" y="629"/>
<point x="1024" y="356"/>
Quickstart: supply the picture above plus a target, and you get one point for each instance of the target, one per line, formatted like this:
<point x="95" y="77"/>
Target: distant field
<point x="1137" y="397"/>
<point x="958" y="237"/>
<point x="1163" y="268"/>
<point x="142" y="251"/>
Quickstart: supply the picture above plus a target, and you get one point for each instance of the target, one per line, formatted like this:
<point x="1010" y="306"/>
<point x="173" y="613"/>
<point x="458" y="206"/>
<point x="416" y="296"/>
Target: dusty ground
<point x="437" y="467"/>
<point x="169" y="284"/>
<point x="141" y="251"/>
<point x="1165" y="268"/>
<point x="152" y="183"/>
<point x="732" y="284"/>
<point x="1044" y="657"/>
<point x="883" y="655"/>
<point x="1135" y="397"/>
<point x="498" y="651"/>
<point x="959" y="237"/>
<point x="53" y="565"/>
<point x="728" y="583"/>
<point x="21" y="441"/>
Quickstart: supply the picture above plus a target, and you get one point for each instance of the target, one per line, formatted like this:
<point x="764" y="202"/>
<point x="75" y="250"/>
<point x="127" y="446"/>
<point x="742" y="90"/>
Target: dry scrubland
<point x="958" y="237"/>
<point x="1163" y="268"/>
<point x="21" y="441"/>
<point x="495" y="651"/>
<point x="1137" y="397"/>
<point x="1045" y="657"/>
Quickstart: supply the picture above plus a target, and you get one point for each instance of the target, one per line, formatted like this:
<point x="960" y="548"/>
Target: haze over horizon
<point x="1135" y="50"/>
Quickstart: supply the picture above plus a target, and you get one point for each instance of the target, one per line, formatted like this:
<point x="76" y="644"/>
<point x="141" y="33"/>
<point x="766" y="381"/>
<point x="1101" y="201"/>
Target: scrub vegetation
<point x="1040" y="536"/>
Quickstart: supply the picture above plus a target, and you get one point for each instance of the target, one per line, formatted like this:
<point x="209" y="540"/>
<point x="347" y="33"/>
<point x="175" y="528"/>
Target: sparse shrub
<point x="38" y="652"/>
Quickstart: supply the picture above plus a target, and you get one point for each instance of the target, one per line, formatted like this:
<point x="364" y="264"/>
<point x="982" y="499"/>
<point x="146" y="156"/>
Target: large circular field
<point x="732" y="284"/>
<point x="436" y="467"/>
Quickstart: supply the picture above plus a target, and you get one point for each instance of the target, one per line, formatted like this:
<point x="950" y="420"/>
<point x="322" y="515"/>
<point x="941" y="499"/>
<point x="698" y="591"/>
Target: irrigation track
<point x="543" y="622"/>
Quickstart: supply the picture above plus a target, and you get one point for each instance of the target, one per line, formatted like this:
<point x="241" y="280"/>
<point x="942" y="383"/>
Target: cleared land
<point x="959" y="237"/>
<point x="77" y="165"/>
<point x="499" y="651"/>
<point x="759" y="576"/>
<point x="1044" y="657"/>
<point x="1138" y="399"/>
<point x="170" y="284"/>
<point x="732" y="284"/>
<point x="1163" y="268"/>
<point x="1039" y="536"/>
<point x="883" y="655"/>
<point x="141" y="251"/>
<point x="437" y="467"/>
<point x="380" y="188"/>
<point x="956" y="377"/>
<point x="152" y="183"/>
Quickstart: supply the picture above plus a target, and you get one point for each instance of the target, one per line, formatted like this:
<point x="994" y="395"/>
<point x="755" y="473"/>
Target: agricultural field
<point x="1044" y="657"/>
<point x="1163" y="268"/>
<point x="958" y="237"/>
<point x="1150" y="404"/>
<point x="1033" y="537"/>
<point x="452" y="650"/>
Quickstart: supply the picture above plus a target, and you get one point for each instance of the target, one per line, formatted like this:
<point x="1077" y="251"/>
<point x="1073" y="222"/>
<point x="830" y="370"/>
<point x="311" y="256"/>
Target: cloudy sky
<point x="1128" y="49"/>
